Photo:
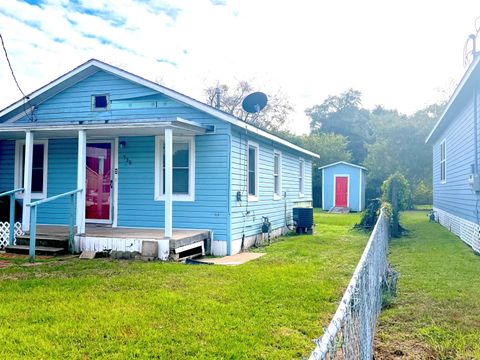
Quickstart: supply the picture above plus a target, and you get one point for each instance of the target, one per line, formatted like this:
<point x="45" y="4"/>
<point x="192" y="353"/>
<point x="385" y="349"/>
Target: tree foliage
<point x="343" y="115"/>
<point x="396" y="191"/>
<point x="275" y="116"/>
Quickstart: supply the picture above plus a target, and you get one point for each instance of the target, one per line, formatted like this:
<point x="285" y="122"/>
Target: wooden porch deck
<point x="179" y="239"/>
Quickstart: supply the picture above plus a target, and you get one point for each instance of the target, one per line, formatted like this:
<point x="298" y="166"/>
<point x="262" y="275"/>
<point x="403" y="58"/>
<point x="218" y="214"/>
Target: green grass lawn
<point x="436" y="314"/>
<point x="268" y="308"/>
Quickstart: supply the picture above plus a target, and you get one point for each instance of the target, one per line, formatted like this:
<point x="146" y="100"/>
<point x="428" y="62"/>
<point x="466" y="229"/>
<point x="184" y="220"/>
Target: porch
<point x="53" y="240"/>
<point x="84" y="159"/>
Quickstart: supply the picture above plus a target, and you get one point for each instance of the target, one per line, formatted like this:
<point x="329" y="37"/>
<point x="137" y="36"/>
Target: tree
<point x="330" y="147"/>
<point x="399" y="145"/>
<point x="343" y="115"/>
<point x="275" y="116"/>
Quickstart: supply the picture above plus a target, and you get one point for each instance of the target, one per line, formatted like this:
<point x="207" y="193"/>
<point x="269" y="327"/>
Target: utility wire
<point x="11" y="69"/>
<point x="25" y="97"/>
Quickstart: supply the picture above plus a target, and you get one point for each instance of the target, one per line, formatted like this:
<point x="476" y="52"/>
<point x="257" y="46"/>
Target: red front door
<point x="99" y="164"/>
<point x="341" y="191"/>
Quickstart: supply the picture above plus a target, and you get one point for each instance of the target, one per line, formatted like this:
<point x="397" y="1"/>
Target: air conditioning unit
<point x="303" y="218"/>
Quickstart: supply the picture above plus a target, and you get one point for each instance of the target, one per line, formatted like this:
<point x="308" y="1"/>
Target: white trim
<point x="254" y="145"/>
<point x="457" y="91"/>
<point x="444" y="161"/>
<point x="323" y="189"/>
<point x="335" y="188"/>
<point x="81" y="180"/>
<point x="165" y="91"/>
<point x="18" y="165"/>
<point x="158" y="191"/>
<point x="301" y="177"/>
<point x="168" y="213"/>
<point x="115" y="183"/>
<point x="360" y="191"/>
<point x="20" y="115"/>
<point x="277" y="196"/>
<point x="112" y="159"/>
<point x="342" y="162"/>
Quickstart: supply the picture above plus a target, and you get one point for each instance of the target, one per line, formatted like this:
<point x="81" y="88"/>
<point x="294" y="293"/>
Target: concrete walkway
<point x="232" y="260"/>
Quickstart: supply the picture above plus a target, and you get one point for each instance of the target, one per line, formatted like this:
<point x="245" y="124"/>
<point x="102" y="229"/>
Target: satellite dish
<point x="255" y="102"/>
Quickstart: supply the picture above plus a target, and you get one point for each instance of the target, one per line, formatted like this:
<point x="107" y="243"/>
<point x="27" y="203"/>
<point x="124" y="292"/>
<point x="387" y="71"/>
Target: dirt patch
<point x="407" y="349"/>
<point x="4" y="264"/>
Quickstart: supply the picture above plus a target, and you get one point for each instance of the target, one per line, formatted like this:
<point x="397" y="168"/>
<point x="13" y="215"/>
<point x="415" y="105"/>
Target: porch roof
<point x="137" y="127"/>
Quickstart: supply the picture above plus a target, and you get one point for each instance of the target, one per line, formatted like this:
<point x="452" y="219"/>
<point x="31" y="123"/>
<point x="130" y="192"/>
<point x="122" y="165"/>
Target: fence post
<point x="33" y="232"/>
<point x="11" y="234"/>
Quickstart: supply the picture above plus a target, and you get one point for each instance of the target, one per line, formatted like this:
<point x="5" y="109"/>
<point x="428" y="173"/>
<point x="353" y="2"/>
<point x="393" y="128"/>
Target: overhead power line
<point x="25" y="97"/>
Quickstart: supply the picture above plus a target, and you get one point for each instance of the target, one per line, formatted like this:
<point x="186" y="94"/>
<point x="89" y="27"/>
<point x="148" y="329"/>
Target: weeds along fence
<point x="351" y="332"/>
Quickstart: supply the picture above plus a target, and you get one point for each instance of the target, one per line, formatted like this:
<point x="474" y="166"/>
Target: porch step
<point x="55" y="241"/>
<point x="39" y="250"/>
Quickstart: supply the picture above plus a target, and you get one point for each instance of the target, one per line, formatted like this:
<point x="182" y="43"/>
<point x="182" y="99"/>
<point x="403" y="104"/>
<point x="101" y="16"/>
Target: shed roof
<point x="91" y="66"/>
<point x="343" y="163"/>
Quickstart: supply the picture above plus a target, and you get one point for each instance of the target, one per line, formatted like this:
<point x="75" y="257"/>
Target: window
<point x="100" y="102"/>
<point x="277" y="175"/>
<point x="443" y="160"/>
<point x="183" y="164"/>
<point x="39" y="168"/>
<point x="252" y="179"/>
<point x="301" y="166"/>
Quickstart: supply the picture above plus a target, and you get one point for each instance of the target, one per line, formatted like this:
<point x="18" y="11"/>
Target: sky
<point x="399" y="54"/>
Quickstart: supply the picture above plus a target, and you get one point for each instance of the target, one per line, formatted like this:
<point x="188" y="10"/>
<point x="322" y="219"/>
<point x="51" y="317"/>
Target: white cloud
<point x="397" y="53"/>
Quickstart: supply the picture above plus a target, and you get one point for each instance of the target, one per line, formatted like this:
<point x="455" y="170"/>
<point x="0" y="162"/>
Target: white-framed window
<point x="100" y="102"/>
<point x="301" y="168"/>
<point x="277" y="175"/>
<point x="443" y="162"/>
<point x="39" y="168"/>
<point x="183" y="185"/>
<point x="252" y="171"/>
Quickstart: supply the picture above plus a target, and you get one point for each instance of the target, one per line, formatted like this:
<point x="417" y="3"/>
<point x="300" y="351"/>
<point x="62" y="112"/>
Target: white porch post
<point x="81" y="180"/>
<point x="27" y="180"/>
<point x="168" y="181"/>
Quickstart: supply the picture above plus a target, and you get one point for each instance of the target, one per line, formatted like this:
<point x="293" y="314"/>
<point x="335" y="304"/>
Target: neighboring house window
<point x="100" y="102"/>
<point x="183" y="169"/>
<point x="277" y="175"/>
<point x="39" y="168"/>
<point x="301" y="166"/>
<point x="443" y="161"/>
<point x="252" y="179"/>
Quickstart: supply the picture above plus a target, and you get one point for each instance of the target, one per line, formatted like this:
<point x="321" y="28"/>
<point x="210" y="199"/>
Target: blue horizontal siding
<point x="455" y="195"/>
<point x="62" y="177"/>
<point x="74" y="103"/>
<point x="7" y="161"/>
<point x="137" y="206"/>
<point x="353" y="185"/>
<point x="246" y="218"/>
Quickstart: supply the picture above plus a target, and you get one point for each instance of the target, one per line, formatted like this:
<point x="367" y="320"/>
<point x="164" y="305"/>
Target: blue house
<point x="456" y="183"/>
<point x="343" y="186"/>
<point x="145" y="162"/>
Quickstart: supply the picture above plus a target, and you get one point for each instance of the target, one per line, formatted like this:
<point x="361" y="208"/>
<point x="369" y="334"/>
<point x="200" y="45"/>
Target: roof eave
<point x="452" y="99"/>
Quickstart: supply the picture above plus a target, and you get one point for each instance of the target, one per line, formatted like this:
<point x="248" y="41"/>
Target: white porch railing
<point x="351" y="332"/>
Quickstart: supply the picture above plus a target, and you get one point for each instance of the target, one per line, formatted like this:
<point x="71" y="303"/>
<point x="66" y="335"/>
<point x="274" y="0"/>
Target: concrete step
<point x="44" y="240"/>
<point x="39" y="250"/>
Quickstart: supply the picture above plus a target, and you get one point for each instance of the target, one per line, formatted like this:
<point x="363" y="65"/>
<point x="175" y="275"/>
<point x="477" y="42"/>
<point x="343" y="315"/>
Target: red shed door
<point x="341" y="191"/>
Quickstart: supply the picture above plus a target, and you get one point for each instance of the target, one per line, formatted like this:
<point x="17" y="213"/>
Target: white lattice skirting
<point x="468" y="231"/>
<point x="5" y="232"/>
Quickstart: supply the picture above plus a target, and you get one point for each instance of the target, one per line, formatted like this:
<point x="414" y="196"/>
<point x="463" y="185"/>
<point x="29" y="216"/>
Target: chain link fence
<point x="351" y="332"/>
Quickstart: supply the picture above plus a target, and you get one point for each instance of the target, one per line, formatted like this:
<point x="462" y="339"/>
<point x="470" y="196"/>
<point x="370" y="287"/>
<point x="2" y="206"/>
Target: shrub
<point x="396" y="191"/>
<point x="422" y="195"/>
